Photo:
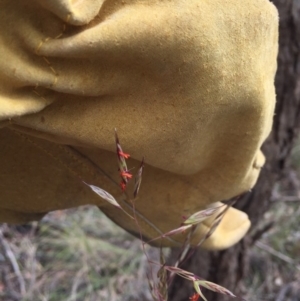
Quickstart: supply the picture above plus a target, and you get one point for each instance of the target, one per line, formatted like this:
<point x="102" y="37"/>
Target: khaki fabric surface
<point x="188" y="84"/>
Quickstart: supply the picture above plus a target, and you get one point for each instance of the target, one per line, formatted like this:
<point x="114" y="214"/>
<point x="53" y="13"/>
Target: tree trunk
<point x="228" y="268"/>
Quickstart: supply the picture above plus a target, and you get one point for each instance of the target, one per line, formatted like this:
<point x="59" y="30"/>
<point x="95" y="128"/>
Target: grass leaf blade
<point x="104" y="195"/>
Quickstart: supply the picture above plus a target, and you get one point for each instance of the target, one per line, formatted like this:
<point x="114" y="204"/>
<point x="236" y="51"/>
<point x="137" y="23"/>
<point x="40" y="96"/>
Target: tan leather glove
<point x="188" y="84"/>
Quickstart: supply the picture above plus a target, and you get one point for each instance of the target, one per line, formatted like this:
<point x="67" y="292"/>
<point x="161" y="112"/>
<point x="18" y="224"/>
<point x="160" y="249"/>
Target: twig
<point x="10" y="255"/>
<point x="10" y="292"/>
<point x="291" y="199"/>
<point x="279" y="255"/>
<point x="285" y="198"/>
<point x="76" y="283"/>
<point x="260" y="232"/>
<point x="33" y="264"/>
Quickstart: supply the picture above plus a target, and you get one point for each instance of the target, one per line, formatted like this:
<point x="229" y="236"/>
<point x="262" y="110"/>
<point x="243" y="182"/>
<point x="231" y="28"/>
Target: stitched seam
<point x="50" y="66"/>
<point x="71" y="153"/>
<point x="37" y="93"/>
<point x="24" y="137"/>
<point x="74" y="154"/>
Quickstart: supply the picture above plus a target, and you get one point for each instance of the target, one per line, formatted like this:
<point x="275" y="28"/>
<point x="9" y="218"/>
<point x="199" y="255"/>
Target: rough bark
<point x="229" y="267"/>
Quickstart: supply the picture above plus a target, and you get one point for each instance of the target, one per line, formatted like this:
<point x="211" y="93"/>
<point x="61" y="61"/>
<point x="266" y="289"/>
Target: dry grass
<point x="275" y="259"/>
<point x="80" y="255"/>
<point x="73" y="255"/>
